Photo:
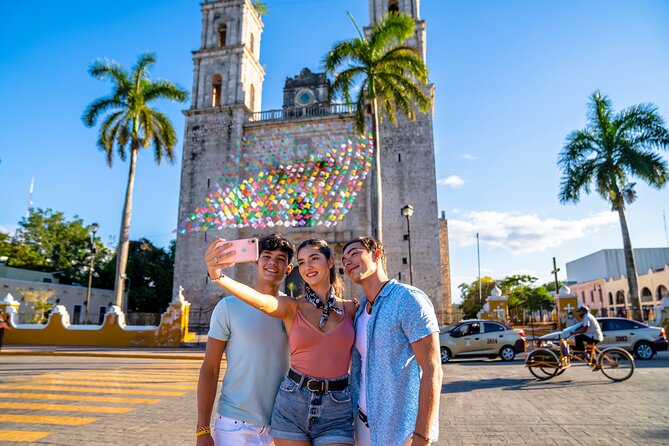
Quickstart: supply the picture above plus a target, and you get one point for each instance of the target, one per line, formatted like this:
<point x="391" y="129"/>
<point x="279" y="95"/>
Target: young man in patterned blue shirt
<point x="396" y="370"/>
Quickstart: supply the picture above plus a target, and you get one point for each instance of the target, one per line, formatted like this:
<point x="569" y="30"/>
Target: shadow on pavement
<point x="480" y="384"/>
<point x="517" y="384"/>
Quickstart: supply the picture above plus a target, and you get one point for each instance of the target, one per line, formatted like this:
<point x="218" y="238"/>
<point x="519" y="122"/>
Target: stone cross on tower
<point x="501" y="314"/>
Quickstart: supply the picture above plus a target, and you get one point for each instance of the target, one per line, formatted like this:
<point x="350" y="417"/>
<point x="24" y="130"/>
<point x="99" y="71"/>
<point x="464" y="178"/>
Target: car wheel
<point x="643" y="350"/>
<point x="507" y="353"/>
<point x="445" y="355"/>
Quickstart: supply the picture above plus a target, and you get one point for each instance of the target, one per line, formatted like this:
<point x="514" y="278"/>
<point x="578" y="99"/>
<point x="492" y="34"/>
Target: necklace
<point x="371" y="303"/>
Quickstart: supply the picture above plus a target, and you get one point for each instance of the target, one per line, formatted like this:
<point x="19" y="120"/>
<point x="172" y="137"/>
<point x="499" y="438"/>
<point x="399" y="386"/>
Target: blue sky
<point x="512" y="80"/>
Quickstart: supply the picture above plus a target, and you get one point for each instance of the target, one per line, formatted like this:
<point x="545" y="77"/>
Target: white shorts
<point x="229" y="432"/>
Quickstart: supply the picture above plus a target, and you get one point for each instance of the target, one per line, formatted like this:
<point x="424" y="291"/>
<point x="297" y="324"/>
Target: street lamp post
<point x="407" y="211"/>
<point x="94" y="229"/>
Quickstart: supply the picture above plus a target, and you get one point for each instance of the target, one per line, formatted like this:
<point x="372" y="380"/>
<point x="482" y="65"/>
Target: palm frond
<point x="394" y="28"/>
<point x="162" y="89"/>
<point x="103" y="68"/>
<point x="99" y="107"/>
<point x="140" y="69"/>
<point x="343" y="52"/>
<point x="345" y="81"/>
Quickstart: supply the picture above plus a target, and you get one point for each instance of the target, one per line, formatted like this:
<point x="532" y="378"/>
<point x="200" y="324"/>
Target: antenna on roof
<point x="666" y="234"/>
<point x="30" y="197"/>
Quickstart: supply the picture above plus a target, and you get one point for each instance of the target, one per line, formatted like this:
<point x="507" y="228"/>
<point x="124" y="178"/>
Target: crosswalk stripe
<point x="90" y="398"/>
<point x="92" y="390"/>
<point x="113" y="378"/>
<point x="22" y="436"/>
<point x="45" y="419"/>
<point x="65" y="407"/>
<point x="80" y="383"/>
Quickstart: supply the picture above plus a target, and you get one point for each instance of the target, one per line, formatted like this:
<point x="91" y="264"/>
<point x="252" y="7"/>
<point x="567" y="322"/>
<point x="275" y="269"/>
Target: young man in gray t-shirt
<point x="257" y="358"/>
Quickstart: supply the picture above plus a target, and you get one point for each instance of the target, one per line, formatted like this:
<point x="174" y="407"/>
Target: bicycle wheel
<point x="543" y="364"/>
<point x="615" y="363"/>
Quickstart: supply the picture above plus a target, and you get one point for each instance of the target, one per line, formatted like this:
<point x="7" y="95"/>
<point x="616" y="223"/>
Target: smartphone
<point x="246" y="250"/>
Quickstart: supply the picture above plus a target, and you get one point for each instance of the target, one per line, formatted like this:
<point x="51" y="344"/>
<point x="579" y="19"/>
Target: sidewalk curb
<point x="105" y="355"/>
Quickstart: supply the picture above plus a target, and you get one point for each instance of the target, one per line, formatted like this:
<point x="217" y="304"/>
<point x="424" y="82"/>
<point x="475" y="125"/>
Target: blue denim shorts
<point x="320" y="417"/>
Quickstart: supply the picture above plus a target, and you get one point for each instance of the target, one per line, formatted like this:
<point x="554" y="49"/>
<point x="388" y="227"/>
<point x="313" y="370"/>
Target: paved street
<point x="491" y="402"/>
<point x="103" y="401"/>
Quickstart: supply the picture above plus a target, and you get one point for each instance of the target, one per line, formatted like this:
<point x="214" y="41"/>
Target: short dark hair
<point x="371" y="245"/>
<point x="276" y="242"/>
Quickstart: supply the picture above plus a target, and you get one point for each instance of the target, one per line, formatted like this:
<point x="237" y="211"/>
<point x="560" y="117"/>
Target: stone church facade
<point x="226" y="109"/>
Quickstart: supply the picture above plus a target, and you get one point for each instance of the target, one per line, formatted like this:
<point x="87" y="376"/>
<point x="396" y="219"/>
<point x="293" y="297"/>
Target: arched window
<point x="216" y="90"/>
<point x="222" y="35"/>
<point x="610" y="299"/>
<point x="252" y="43"/>
<point x="646" y="295"/>
<point x="620" y="298"/>
<point x="393" y="6"/>
<point x="252" y="97"/>
<point x="662" y="292"/>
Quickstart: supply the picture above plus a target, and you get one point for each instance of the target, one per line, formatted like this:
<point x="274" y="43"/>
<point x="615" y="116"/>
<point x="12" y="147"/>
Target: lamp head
<point x="407" y="211"/>
<point x="95" y="227"/>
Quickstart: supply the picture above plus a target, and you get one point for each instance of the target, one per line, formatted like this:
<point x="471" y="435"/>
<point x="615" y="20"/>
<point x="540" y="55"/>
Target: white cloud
<point x="522" y="233"/>
<point x="469" y="157"/>
<point x="453" y="181"/>
<point x="8" y="229"/>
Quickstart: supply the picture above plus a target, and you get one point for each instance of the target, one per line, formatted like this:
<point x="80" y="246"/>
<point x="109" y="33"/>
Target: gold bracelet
<point x="202" y="430"/>
<point x="422" y="437"/>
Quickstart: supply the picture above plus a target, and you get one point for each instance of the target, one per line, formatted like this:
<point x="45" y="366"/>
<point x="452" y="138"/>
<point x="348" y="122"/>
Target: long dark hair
<point x="323" y="247"/>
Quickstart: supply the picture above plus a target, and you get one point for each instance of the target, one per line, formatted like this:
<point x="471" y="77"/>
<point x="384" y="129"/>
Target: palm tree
<point x="130" y="124"/>
<point x="388" y="74"/>
<point x="606" y="154"/>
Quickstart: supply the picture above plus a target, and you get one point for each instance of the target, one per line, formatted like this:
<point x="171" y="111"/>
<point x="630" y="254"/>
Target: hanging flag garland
<point x="293" y="177"/>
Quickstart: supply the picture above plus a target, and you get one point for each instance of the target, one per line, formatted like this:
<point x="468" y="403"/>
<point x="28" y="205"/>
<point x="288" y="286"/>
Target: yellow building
<point x="496" y="307"/>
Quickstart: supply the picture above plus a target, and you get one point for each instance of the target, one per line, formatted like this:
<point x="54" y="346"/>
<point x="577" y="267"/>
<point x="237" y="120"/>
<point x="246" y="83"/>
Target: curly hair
<point x="276" y="242"/>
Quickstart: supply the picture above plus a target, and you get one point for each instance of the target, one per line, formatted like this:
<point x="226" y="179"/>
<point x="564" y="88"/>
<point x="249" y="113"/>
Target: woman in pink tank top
<point x="313" y="404"/>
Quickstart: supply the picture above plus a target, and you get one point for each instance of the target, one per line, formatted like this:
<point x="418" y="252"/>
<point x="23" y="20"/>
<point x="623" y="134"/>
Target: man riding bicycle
<point x="590" y="332"/>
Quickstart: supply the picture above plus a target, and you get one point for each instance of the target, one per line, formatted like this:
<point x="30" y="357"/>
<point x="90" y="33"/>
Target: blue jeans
<point x="320" y="417"/>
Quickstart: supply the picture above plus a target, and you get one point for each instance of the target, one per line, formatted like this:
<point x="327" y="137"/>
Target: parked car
<point x="636" y="337"/>
<point x="474" y="338"/>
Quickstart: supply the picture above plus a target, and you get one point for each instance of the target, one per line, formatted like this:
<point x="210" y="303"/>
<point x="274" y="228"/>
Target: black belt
<point x="318" y="385"/>
<point x="363" y="418"/>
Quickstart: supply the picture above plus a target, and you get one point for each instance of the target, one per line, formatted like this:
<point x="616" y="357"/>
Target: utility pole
<point x="557" y="291"/>
<point x="478" y="257"/>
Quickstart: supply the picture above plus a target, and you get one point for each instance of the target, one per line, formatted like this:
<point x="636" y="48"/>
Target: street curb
<point x="106" y="355"/>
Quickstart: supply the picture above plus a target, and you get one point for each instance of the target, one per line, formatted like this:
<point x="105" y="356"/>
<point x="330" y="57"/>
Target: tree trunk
<point x="377" y="188"/>
<point x="630" y="267"/>
<point x="124" y="237"/>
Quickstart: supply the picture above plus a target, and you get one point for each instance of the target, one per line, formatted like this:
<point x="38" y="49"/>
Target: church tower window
<point x="252" y="97"/>
<point x="216" y="84"/>
<point x="393" y="6"/>
<point x="252" y="42"/>
<point x="222" y="34"/>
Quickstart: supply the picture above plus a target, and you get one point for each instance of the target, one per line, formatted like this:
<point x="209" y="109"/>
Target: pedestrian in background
<point x="4" y="325"/>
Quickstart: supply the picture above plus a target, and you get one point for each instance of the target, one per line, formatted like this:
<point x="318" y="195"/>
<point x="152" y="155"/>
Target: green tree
<point x="388" y="75"/>
<point x="37" y="301"/>
<point x="471" y="303"/>
<point x="47" y="241"/>
<point x="261" y="7"/>
<point x="612" y="149"/>
<point x="130" y="124"/>
<point x="150" y="275"/>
